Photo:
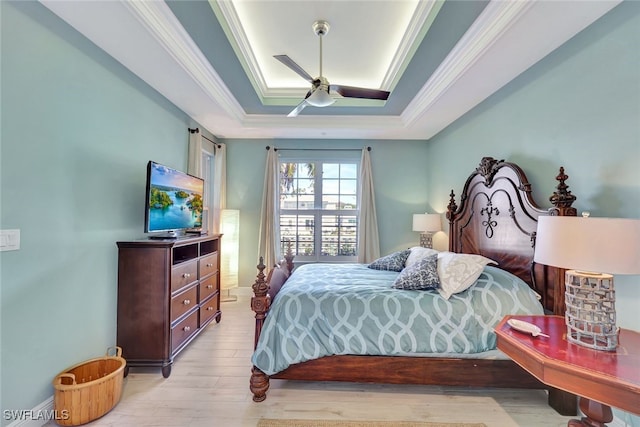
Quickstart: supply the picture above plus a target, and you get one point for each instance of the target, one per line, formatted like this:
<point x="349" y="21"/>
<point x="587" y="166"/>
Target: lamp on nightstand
<point x="589" y="247"/>
<point x="426" y="224"/>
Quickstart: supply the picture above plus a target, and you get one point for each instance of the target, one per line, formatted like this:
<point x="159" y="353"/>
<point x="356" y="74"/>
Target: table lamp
<point x="426" y="224"/>
<point x="593" y="249"/>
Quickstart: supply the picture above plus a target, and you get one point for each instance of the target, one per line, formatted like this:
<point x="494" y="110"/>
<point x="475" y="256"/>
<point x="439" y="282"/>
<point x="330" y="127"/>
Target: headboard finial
<point x="451" y="207"/>
<point x="488" y="168"/>
<point x="562" y="199"/>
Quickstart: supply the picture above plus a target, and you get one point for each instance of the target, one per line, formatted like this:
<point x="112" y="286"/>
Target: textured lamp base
<point x="591" y="313"/>
<point x="426" y="240"/>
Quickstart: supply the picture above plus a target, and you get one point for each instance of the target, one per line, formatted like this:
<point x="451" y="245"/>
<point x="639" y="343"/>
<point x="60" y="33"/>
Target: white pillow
<point x="458" y="272"/>
<point x="418" y="253"/>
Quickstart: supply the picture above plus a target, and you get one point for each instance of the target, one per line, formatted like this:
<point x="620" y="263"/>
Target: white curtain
<point x="269" y="239"/>
<point x="200" y="150"/>
<point x="220" y="185"/>
<point x="194" y="166"/>
<point x="368" y="239"/>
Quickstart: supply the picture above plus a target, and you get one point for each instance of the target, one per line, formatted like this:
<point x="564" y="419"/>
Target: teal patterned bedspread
<point x="329" y="309"/>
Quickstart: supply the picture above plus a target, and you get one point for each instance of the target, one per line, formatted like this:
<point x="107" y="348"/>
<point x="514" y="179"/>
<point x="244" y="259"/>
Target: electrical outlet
<point x="9" y="240"/>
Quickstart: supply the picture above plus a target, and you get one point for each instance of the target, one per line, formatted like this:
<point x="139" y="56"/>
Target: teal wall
<point x="77" y="132"/>
<point x="398" y="194"/>
<point x="578" y="108"/>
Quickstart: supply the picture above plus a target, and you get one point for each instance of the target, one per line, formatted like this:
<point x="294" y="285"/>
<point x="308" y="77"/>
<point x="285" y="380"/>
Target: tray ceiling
<point x="214" y="59"/>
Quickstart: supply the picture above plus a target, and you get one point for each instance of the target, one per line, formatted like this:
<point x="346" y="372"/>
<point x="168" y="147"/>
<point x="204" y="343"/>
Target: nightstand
<point x="601" y="378"/>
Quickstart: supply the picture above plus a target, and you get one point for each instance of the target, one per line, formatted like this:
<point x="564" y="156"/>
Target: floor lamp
<point x="230" y="229"/>
<point x="593" y="249"/>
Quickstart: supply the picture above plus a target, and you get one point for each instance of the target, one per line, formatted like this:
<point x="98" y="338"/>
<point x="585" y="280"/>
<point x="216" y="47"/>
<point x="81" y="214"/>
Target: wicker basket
<point x="88" y="390"/>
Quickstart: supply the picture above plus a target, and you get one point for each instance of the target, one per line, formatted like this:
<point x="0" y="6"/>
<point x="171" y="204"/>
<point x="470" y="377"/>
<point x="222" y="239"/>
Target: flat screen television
<point x="174" y="202"/>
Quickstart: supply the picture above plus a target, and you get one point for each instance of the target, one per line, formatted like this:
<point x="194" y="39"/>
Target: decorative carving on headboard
<point x="490" y="223"/>
<point x="488" y="168"/>
<point x="562" y="198"/>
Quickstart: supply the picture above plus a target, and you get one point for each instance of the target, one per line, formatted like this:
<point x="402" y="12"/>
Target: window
<point x="319" y="209"/>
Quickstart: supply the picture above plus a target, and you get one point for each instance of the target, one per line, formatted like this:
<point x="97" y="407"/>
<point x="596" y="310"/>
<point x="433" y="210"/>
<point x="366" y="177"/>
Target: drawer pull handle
<point x="186" y="275"/>
<point x="209" y="308"/>
<point x="209" y="286"/>
<point x="209" y="265"/>
<point x="186" y="302"/>
<point x="186" y="329"/>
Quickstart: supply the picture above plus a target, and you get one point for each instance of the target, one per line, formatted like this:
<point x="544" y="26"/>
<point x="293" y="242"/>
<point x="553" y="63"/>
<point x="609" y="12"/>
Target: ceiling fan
<point x="319" y="96"/>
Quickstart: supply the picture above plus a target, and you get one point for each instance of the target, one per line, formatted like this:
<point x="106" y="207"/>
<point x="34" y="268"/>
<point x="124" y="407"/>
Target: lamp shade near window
<point x="426" y="224"/>
<point x="230" y="248"/>
<point x="593" y="249"/>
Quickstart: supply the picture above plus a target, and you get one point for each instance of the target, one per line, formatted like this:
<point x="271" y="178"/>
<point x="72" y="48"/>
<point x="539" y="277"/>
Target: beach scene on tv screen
<point x="175" y="200"/>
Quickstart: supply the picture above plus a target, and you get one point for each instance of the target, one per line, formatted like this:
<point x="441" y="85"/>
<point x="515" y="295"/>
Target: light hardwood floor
<point x="209" y="386"/>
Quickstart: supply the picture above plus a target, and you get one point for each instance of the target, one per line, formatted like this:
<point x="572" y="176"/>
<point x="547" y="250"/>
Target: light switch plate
<point x="9" y="240"/>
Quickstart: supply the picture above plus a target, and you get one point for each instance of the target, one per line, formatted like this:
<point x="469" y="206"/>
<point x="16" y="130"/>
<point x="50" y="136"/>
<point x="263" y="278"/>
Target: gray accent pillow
<point x="391" y="262"/>
<point x="419" y="276"/>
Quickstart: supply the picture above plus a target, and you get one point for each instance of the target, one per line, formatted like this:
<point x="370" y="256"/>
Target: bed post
<point x="451" y="216"/>
<point x="260" y="302"/>
<point x="562" y="199"/>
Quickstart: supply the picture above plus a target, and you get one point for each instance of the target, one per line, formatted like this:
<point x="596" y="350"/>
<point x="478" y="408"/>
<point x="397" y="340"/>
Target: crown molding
<point x="421" y="21"/>
<point x="492" y="24"/>
<point x="160" y="22"/>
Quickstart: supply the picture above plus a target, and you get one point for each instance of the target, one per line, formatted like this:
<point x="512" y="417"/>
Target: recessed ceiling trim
<point x="336" y="122"/>
<point x="232" y="27"/>
<point x="162" y="24"/>
<point x="492" y="23"/>
<point x="421" y="21"/>
<point x="327" y="127"/>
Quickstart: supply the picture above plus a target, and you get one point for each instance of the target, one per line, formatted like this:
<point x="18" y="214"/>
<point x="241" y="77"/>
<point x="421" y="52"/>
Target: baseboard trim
<point x="244" y="291"/>
<point x="36" y="417"/>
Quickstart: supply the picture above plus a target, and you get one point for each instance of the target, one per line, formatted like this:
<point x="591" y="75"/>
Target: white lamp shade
<point x="600" y="245"/>
<point x="427" y="222"/>
<point x="320" y="98"/>
<point x="229" y="262"/>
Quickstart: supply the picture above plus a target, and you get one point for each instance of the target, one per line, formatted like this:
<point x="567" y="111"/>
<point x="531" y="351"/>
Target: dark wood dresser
<point x="168" y="291"/>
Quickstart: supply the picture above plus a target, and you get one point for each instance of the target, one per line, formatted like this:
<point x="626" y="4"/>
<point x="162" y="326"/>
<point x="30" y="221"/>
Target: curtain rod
<point x="197" y="130"/>
<point x="317" y="149"/>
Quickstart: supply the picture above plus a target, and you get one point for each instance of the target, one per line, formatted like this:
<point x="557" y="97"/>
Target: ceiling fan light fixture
<point x="320" y="98"/>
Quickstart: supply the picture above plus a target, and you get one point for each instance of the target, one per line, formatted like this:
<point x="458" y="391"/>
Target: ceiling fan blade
<point x="298" y="108"/>
<point x="295" y="67"/>
<point x="359" y="92"/>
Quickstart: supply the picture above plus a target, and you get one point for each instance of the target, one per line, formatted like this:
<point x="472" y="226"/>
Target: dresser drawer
<point x="183" y="302"/>
<point x="183" y="274"/>
<point x="208" y="310"/>
<point x="208" y="287"/>
<point x="183" y="330"/>
<point x="208" y="265"/>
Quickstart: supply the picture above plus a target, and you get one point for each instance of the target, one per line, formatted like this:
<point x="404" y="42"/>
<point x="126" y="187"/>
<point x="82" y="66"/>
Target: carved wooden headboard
<point x="497" y="218"/>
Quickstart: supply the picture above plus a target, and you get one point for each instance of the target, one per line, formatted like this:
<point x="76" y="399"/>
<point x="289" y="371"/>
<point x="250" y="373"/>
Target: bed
<point x="496" y="220"/>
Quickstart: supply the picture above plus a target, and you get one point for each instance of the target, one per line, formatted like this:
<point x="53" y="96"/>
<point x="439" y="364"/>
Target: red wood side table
<point x="602" y="379"/>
